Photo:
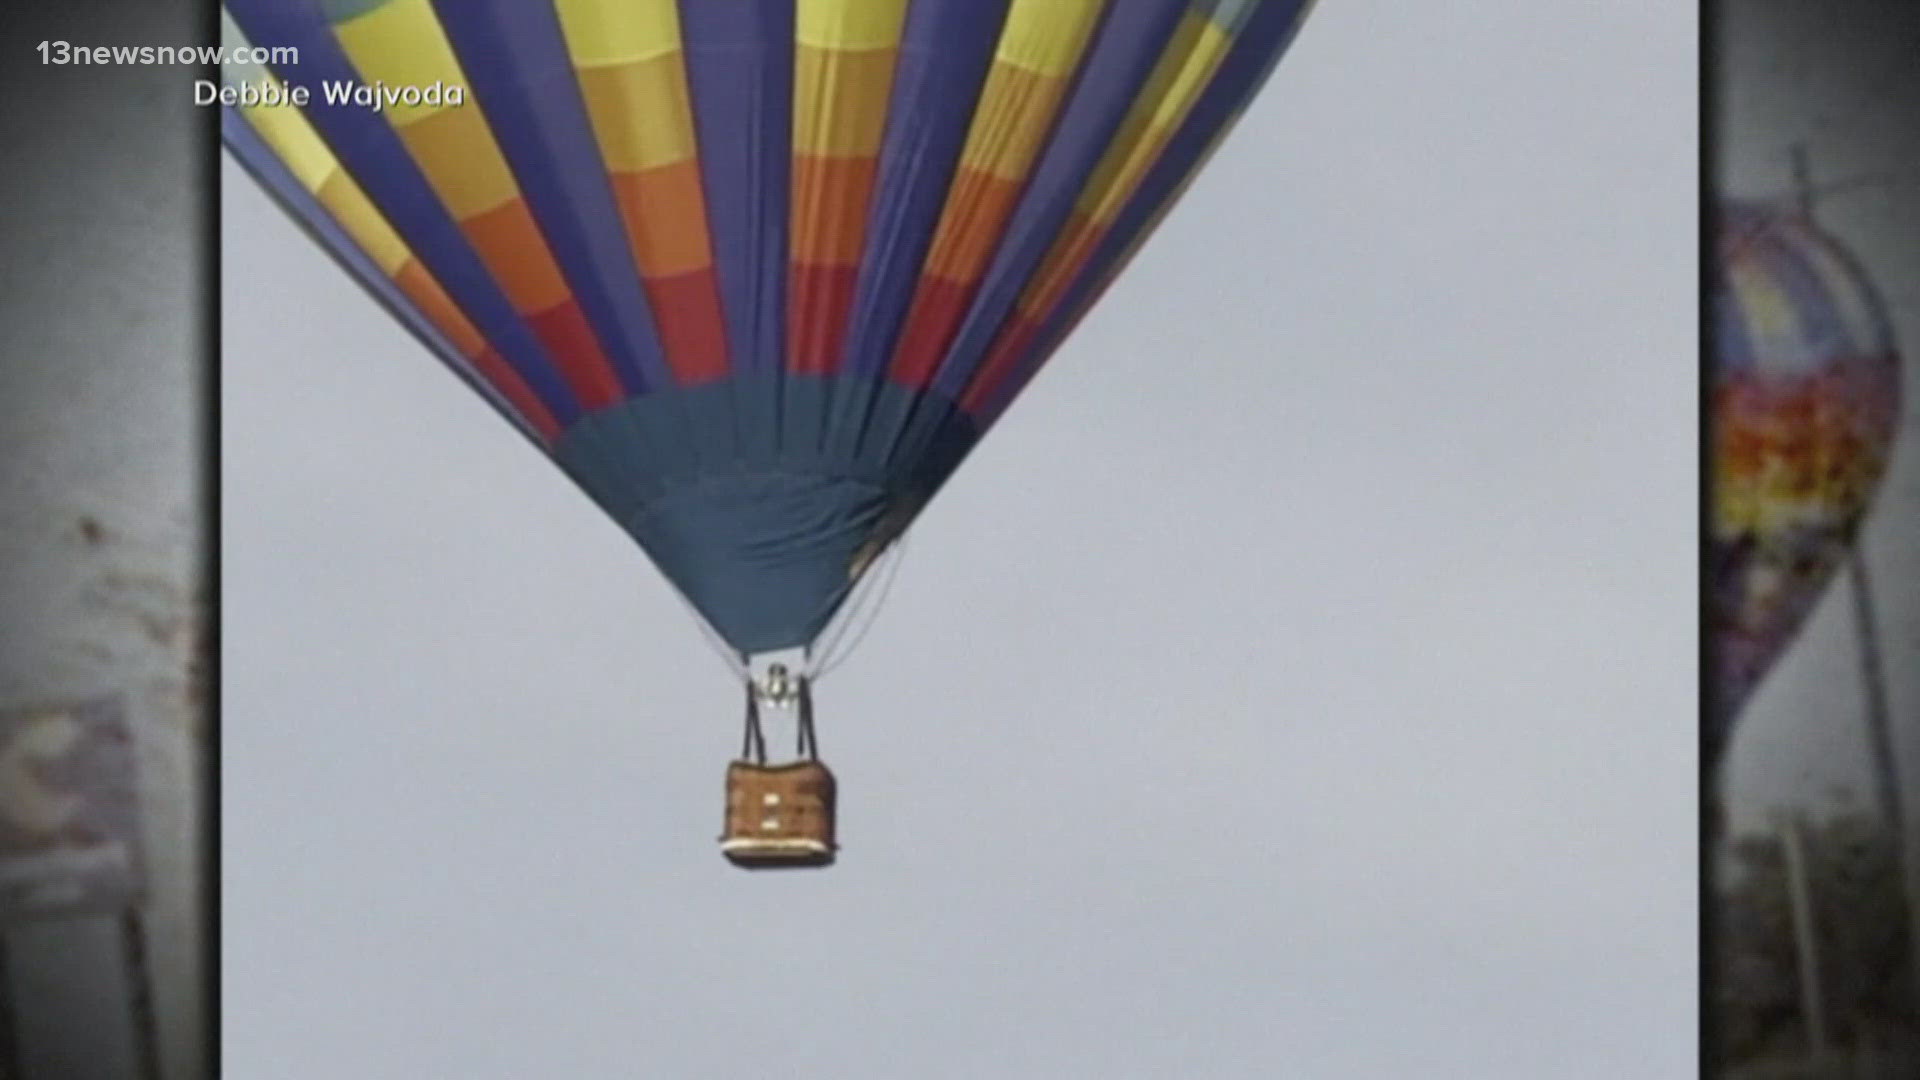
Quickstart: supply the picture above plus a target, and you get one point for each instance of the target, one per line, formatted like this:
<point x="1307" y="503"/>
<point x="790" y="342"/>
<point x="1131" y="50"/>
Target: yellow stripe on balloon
<point x="1186" y="67"/>
<point x="843" y="75"/>
<point x="847" y="25"/>
<point x="633" y="76"/>
<point x="1193" y="75"/>
<point x="641" y="114"/>
<point x="305" y="155"/>
<point x="299" y="147"/>
<point x="1764" y="305"/>
<point x="283" y="127"/>
<point x="456" y="151"/>
<point x="1038" y="52"/>
<point x="619" y="31"/>
<point x="840" y="101"/>
<point x="402" y="44"/>
<point x="356" y="214"/>
<point x="1047" y="37"/>
<point x="1183" y="72"/>
<point x="1040" y="46"/>
<point x="294" y="141"/>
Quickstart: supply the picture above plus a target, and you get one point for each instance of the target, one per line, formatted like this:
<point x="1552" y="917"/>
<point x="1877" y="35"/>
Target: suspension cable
<point x="754" y="743"/>
<point x="859" y="614"/>
<point x="736" y="662"/>
<point x="856" y="615"/>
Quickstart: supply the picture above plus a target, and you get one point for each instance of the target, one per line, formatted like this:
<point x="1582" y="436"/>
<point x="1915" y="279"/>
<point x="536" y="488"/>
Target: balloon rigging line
<point x="862" y="610"/>
<point x="728" y="655"/>
<point x="871" y="599"/>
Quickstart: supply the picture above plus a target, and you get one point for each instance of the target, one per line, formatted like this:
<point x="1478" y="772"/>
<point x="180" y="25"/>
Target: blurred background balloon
<point x="1805" y="398"/>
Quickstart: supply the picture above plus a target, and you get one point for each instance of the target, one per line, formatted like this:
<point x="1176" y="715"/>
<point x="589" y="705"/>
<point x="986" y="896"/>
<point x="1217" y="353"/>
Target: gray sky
<point x="1300" y="682"/>
<point x="1847" y="90"/>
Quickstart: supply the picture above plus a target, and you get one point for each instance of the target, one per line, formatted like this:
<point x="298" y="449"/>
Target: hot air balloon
<point x="1805" y="400"/>
<point x="755" y="274"/>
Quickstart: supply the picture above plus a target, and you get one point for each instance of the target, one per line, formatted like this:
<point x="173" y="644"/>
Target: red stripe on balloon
<point x="570" y="341"/>
<point x="517" y="392"/>
<point x="1008" y="349"/>
<point x="692" y="326"/>
<point x="938" y="307"/>
<point x="817" y="326"/>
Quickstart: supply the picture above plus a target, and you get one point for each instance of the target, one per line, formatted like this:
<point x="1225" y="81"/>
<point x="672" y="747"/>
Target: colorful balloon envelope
<point x="756" y="274"/>
<point x="1805" y="397"/>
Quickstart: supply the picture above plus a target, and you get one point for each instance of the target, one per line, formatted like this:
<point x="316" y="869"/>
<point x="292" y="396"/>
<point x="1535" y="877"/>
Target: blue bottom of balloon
<point x="763" y="495"/>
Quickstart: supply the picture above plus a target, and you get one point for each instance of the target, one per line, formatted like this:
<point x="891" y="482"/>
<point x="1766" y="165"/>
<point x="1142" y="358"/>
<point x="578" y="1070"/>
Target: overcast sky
<point x="1300" y="682"/>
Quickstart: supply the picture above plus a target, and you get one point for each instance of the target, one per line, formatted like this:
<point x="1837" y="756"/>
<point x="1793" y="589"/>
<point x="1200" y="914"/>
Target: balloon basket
<point x="779" y="816"/>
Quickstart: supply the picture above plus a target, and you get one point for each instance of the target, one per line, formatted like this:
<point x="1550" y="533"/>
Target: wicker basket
<point x="779" y="815"/>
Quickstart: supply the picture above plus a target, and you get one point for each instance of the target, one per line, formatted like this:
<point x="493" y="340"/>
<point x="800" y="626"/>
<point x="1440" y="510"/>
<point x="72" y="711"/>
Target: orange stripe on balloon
<point x="1063" y="264"/>
<point x="665" y="212"/>
<point x="419" y="286"/>
<point x="844" y="64"/>
<point x="1182" y="73"/>
<point x="1069" y="255"/>
<point x="828" y="237"/>
<point x="402" y="43"/>
<point x="643" y="120"/>
<point x="343" y="197"/>
<point x="969" y="232"/>
<point x="830" y="197"/>
<point x="508" y="240"/>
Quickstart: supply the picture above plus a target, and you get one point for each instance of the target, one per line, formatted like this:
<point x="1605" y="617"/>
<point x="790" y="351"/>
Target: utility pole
<point x="1806" y="945"/>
